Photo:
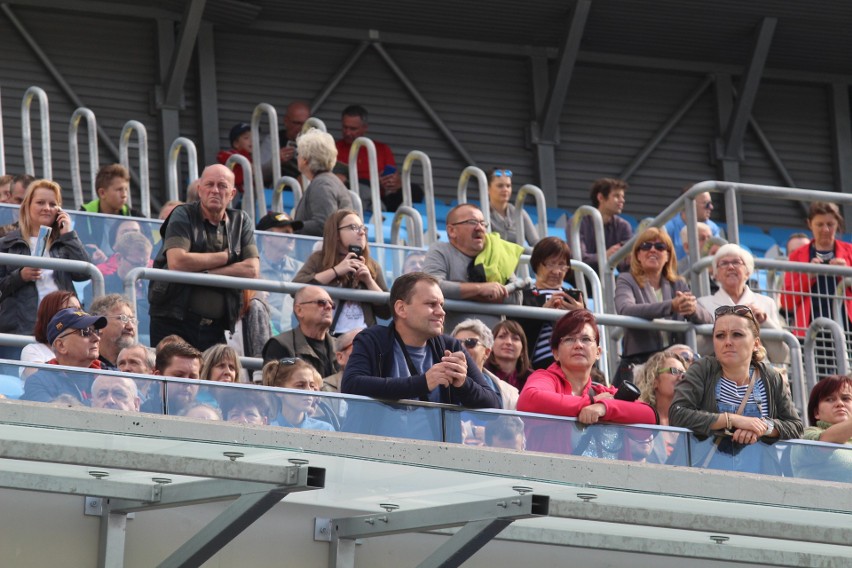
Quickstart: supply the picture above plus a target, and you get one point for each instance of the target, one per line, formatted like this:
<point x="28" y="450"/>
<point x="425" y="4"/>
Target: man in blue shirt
<point x="703" y="210"/>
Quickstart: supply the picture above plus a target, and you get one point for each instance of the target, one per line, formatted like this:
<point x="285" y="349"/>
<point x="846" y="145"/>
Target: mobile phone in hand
<point x="356" y="249"/>
<point x="577" y="295"/>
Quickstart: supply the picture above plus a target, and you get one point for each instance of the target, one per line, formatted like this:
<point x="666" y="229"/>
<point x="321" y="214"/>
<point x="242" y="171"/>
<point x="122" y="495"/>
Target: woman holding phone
<point x="344" y="261"/>
<point x="22" y="288"/>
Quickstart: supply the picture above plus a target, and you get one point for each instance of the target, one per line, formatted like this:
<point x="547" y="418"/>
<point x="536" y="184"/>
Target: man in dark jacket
<point x="412" y="359"/>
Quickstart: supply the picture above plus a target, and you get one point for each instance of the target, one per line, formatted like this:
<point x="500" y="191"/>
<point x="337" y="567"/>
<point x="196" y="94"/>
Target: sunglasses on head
<point x="647" y="245"/>
<point x="288" y="361"/>
<point x="502" y="173"/>
<point x="738" y="310"/>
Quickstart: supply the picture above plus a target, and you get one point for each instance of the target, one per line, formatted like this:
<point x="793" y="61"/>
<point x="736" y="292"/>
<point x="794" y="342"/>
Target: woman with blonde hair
<point x="653" y="290"/>
<point x="22" y="288"/>
<point x="344" y="262"/>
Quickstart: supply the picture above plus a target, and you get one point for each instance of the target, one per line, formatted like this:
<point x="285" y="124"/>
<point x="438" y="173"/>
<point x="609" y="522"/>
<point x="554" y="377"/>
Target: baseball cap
<point x="72" y="318"/>
<point x="238" y="131"/>
<point x="272" y="220"/>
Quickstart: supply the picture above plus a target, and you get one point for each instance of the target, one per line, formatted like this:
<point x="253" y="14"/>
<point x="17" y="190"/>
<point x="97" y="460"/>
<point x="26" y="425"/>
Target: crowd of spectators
<point x="730" y="391"/>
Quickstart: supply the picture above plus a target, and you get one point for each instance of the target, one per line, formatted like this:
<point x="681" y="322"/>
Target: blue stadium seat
<point x="758" y="243"/>
<point x="630" y="219"/>
<point x="782" y="234"/>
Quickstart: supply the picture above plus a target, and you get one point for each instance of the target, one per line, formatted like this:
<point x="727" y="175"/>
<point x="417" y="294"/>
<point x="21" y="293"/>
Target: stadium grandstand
<point x="726" y="117"/>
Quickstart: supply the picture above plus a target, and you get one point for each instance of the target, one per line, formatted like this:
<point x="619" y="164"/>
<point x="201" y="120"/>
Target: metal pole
<point x="541" y="208"/>
<point x="375" y="191"/>
<point x="256" y="165"/>
<point x="129" y="128"/>
<point x="192" y="166"/>
<point x="484" y="201"/>
<point x="428" y="190"/>
<point x="26" y="131"/>
<point x="295" y="187"/>
<point x="248" y="197"/>
<point x="74" y="151"/>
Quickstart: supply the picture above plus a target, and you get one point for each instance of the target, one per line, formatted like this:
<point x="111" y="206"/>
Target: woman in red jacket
<point x="809" y="295"/>
<point x="565" y="388"/>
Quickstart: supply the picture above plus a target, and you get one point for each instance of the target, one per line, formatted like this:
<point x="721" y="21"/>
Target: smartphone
<point x="576" y="294"/>
<point x="57" y="225"/>
<point x="388" y="170"/>
<point x="356" y="249"/>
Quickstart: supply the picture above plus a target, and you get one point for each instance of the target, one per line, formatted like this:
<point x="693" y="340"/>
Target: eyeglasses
<point x="503" y="173"/>
<point x="559" y="267"/>
<point x="288" y="361"/>
<point x="738" y="310"/>
<point x="354" y="228"/>
<point x="125" y="319"/>
<point x="708" y="205"/>
<point x="322" y="303"/>
<point x="85" y="332"/>
<point x="689" y="356"/>
<point x="727" y="263"/>
<point x="470" y="342"/>
<point x="585" y="340"/>
<point x="472" y="223"/>
<point x="647" y="245"/>
<point x="672" y="370"/>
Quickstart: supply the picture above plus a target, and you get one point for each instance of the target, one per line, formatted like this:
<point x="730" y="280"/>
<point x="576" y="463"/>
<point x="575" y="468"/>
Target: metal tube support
<point x="74" y="153"/>
<point x="256" y="165"/>
<point x="540" y="207"/>
<point x="295" y="187"/>
<point x="27" y="136"/>
<point x="127" y="130"/>
<point x="600" y="242"/>
<point x="416" y="228"/>
<point x="484" y="202"/>
<point x="428" y="190"/>
<point x="375" y="191"/>
<point x="2" y="142"/>
<point x="111" y="538"/>
<point x="837" y="336"/>
<point x="192" y="159"/>
<point x="248" y="197"/>
<point x="314" y="122"/>
<point x="59" y="264"/>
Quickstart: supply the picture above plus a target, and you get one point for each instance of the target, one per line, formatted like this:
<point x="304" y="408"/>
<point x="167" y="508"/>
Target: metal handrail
<point x="27" y="136"/>
<point x="540" y="206"/>
<point x="314" y="122"/>
<point x="256" y="160"/>
<point x="295" y="187"/>
<point x="484" y="202"/>
<point x="59" y="264"/>
<point x="192" y="165"/>
<point x="428" y="190"/>
<point x="248" y="197"/>
<point x="127" y="130"/>
<point x="2" y="143"/>
<point x="415" y="233"/>
<point x="375" y="190"/>
<point x="74" y="153"/>
<point x="607" y="273"/>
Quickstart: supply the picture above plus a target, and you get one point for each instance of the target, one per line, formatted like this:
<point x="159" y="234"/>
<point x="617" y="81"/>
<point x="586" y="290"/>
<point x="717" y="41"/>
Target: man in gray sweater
<point x="450" y="263"/>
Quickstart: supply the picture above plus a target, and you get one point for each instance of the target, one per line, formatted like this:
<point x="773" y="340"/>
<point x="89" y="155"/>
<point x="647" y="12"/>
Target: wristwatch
<point x="770" y="426"/>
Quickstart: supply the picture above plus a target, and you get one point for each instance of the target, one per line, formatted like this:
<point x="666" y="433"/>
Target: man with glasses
<point x="703" y="210"/>
<point x="310" y="340"/>
<point x="74" y="336"/>
<point x="120" y="331"/>
<point x="208" y="237"/>
<point x="451" y="264"/>
<point x="342" y="351"/>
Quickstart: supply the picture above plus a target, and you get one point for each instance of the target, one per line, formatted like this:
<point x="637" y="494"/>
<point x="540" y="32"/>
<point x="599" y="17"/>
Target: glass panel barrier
<point x="722" y="453"/>
<point x="806" y="459"/>
<point x="561" y="435"/>
<point x="8" y="213"/>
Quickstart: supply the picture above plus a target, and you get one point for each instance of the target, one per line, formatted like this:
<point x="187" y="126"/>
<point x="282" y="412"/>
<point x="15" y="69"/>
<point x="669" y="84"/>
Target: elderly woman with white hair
<point x="478" y="341"/>
<point x="732" y="267"/>
<point x="325" y="193"/>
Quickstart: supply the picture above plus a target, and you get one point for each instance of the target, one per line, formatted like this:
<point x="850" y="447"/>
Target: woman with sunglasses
<point x="503" y="212"/>
<point x="478" y="341"/>
<point x="656" y="381"/>
<point x="736" y="397"/>
<point x="652" y="290"/>
<point x="344" y="262"/>
<point x="732" y="267"/>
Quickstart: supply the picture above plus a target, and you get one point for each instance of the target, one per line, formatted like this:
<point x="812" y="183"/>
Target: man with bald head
<point x="310" y="340"/>
<point x="451" y="262"/>
<point x="297" y="113"/>
<point x="208" y="237"/>
<point x="116" y="393"/>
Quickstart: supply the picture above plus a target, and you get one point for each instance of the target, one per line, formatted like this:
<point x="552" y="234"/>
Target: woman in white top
<point x="732" y="267"/>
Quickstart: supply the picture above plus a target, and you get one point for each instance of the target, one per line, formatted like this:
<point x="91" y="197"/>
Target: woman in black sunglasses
<point x="653" y="290"/>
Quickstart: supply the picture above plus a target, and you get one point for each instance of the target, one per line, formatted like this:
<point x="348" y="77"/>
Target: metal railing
<point x="428" y="196"/>
<point x="375" y="190"/>
<point x="27" y="136"/>
<point x="256" y="166"/>
<point x="127" y="130"/>
<point x="58" y="264"/>
<point x="541" y="209"/>
<point x="179" y="144"/>
<point x="74" y="153"/>
<point x="464" y="180"/>
<point x="295" y="187"/>
<point x="247" y="205"/>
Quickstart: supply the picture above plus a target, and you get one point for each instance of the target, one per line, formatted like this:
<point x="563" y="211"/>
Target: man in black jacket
<point x="205" y="236"/>
<point x="412" y="359"/>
